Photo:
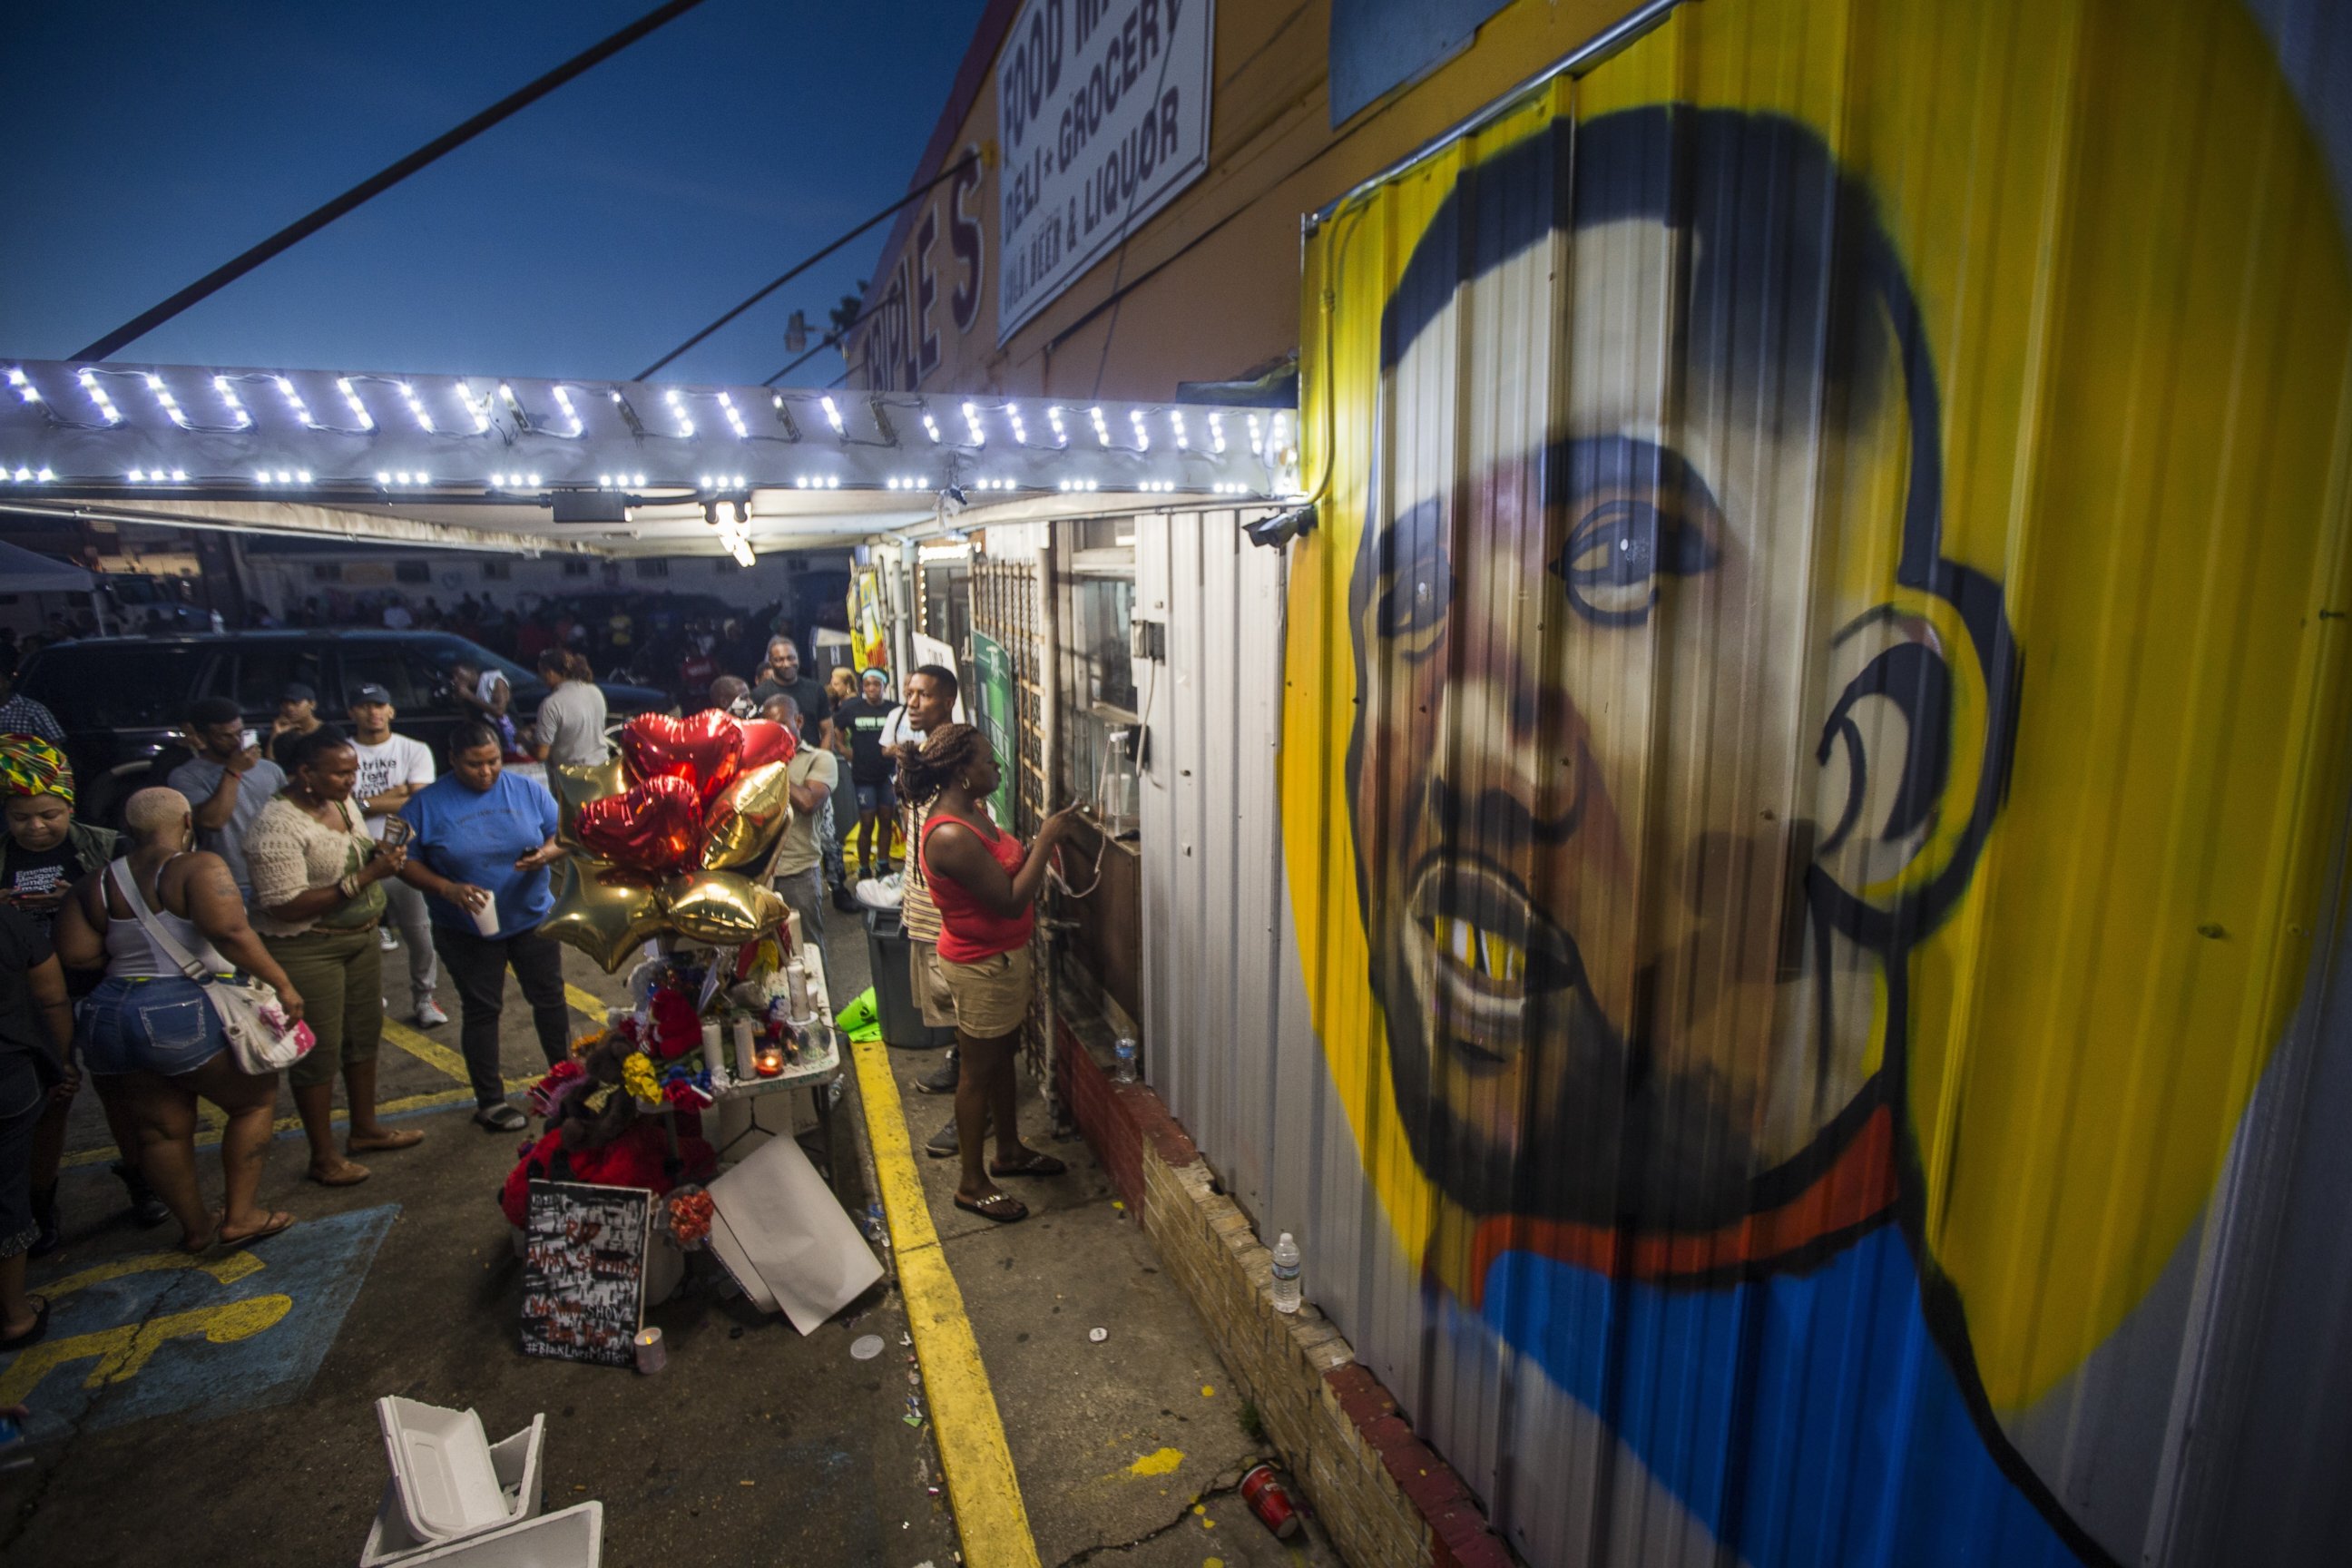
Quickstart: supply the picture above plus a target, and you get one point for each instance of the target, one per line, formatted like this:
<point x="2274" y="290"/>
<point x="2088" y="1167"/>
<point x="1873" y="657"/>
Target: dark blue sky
<point x="585" y="237"/>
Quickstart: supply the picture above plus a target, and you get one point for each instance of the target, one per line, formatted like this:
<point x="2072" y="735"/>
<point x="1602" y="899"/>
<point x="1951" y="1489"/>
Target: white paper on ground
<point x="738" y="1264"/>
<point x="794" y="1233"/>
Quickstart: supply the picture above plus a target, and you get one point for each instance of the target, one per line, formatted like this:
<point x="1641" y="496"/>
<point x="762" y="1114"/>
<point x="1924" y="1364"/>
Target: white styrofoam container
<point x="515" y="1462"/>
<point x="443" y="1477"/>
<point x="573" y="1538"/>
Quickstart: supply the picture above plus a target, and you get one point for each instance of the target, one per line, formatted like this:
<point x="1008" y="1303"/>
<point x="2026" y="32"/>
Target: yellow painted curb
<point x="430" y="1052"/>
<point x="989" y="1512"/>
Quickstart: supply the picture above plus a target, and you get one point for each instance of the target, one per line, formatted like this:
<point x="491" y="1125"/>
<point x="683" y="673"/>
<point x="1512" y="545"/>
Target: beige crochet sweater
<point x="288" y="850"/>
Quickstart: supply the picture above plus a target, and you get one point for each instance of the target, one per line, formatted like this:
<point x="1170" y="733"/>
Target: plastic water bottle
<point x="1286" y="1274"/>
<point x="1123" y="1066"/>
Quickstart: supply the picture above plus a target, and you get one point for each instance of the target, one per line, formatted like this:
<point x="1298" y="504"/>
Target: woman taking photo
<point x="316" y="898"/>
<point x="485" y="840"/>
<point x="149" y="1035"/>
<point x="983" y="884"/>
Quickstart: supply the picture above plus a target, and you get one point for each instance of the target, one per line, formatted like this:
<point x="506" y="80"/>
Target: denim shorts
<point x="877" y="797"/>
<point x="164" y="1026"/>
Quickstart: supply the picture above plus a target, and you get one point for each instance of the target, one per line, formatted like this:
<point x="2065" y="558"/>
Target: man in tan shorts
<point x="930" y="699"/>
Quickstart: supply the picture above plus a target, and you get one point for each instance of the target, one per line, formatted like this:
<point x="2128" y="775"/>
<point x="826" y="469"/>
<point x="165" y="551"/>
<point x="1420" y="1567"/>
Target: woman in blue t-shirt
<point x="484" y="840"/>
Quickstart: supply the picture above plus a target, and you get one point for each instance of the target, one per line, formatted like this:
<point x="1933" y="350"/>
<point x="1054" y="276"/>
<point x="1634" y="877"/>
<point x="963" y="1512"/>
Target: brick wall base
<point x="1385" y="1499"/>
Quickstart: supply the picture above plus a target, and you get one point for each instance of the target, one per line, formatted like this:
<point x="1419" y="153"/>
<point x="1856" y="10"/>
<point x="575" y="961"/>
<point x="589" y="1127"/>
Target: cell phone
<point x="250" y="738"/>
<point x="397" y="831"/>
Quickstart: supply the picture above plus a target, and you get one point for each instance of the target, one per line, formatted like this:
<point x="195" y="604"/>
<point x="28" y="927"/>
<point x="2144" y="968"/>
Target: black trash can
<point x="887" y="947"/>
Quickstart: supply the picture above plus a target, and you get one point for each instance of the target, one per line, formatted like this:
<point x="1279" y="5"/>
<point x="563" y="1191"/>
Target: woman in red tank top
<point x="984" y="885"/>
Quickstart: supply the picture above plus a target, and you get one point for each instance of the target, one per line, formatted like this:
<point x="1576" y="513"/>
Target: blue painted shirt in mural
<point x="1808" y="1420"/>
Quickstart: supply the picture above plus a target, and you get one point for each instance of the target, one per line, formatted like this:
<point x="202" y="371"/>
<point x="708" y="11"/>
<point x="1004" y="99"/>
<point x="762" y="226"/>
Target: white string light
<point x="563" y="401"/>
<point x="106" y="409"/>
<point x="1176" y="418"/>
<point x="971" y="423"/>
<point x="1217" y="434"/>
<point x="294" y="401"/>
<point x="734" y="419"/>
<point x="678" y="410"/>
<point x="417" y="406"/>
<point x="26" y="391"/>
<point x="1012" y="414"/>
<point x="358" y="410"/>
<point x="1102" y="427"/>
<point x="1143" y="435"/>
<point x="237" y="409"/>
<point x="1054" y="417"/>
<point x="831" y="415"/>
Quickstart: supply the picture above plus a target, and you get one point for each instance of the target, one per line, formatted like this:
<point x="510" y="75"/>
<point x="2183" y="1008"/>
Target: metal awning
<point x="618" y="467"/>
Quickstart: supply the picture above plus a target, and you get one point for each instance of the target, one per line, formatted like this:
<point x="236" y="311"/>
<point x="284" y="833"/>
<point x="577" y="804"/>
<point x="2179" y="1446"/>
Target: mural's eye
<point x="1416" y="581"/>
<point x="1622" y="538"/>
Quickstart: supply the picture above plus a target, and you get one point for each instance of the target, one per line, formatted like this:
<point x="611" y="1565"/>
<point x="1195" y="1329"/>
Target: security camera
<point x="1281" y="528"/>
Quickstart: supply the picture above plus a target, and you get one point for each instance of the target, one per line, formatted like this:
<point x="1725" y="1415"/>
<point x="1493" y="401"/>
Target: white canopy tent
<point x="24" y="571"/>
<point x="593" y="467"/>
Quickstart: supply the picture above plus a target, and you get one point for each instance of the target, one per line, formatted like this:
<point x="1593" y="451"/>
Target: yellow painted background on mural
<point x="2133" y="282"/>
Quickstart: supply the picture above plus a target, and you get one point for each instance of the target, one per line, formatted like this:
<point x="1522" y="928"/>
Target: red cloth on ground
<point x="635" y="1159"/>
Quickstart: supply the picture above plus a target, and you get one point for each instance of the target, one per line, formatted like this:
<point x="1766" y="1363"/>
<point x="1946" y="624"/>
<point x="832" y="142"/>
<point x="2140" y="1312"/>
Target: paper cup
<point x="486" y="919"/>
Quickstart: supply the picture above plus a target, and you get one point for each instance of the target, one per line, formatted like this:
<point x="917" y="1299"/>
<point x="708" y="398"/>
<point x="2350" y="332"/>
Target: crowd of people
<point x="298" y="860"/>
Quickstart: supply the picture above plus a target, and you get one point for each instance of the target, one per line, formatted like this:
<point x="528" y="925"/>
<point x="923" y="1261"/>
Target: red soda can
<point x="1270" y="1502"/>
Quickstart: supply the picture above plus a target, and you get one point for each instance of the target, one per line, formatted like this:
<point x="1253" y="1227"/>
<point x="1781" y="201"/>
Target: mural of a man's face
<point x="1625" y="701"/>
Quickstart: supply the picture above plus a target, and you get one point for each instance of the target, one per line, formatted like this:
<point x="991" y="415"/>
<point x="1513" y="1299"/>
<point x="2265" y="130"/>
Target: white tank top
<point x="131" y="954"/>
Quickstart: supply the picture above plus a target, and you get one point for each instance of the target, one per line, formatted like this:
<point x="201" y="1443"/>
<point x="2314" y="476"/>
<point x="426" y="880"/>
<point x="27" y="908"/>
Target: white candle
<point x="714" y="1056"/>
<point x="747" y="1065"/>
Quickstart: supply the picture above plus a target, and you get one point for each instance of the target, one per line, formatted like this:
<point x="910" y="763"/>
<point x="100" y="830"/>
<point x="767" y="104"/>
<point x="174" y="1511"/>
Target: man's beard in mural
<point x="1603" y="1134"/>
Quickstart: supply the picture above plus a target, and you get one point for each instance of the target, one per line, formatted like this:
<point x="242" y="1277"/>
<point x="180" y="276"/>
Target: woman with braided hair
<point x="983" y="884"/>
<point x="45" y="850"/>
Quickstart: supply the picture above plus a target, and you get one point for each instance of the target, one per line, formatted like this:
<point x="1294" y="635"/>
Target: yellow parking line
<point x="210" y="1138"/>
<point x="431" y="1052"/>
<point x="986" y="1492"/>
<point x="587" y="1002"/>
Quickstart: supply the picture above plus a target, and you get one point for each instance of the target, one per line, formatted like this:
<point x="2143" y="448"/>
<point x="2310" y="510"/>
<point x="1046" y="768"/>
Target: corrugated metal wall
<point x="1785" y="966"/>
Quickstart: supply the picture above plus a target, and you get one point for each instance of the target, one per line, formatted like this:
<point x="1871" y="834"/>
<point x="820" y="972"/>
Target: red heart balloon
<point x="705" y="751"/>
<point x="765" y="742"/>
<point x="656" y="827"/>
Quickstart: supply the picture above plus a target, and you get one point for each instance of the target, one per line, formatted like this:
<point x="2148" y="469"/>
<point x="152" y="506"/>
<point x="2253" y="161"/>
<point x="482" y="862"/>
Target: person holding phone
<point x="228" y="783"/>
<point x="45" y="851"/>
<point x="484" y="840"/>
<point x="318" y="892"/>
<point x="984" y="883"/>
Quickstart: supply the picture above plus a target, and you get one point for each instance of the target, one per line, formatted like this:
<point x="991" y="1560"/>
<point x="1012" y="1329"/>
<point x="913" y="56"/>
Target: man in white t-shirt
<point x="396" y="616"/>
<point x="391" y="768"/>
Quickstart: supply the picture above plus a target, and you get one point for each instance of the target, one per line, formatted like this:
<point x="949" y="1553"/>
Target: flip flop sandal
<point x="264" y="1234"/>
<point x="1036" y="1164"/>
<point x="1002" y="1207"/>
<point x="340" y="1181"/>
<point x="40" y="1326"/>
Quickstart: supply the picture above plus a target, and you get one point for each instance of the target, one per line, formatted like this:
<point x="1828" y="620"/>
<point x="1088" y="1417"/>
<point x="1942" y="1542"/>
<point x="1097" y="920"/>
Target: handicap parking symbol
<point x="159" y="1333"/>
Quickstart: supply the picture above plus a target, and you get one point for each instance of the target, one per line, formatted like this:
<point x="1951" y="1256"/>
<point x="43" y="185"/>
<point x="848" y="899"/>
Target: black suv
<point x="122" y="700"/>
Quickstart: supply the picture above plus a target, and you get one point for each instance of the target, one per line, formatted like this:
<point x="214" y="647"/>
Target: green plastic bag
<point x="859" y="1016"/>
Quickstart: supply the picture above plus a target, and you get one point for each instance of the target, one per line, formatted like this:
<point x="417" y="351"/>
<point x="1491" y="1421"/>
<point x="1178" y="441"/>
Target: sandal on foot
<point x="406" y="1138"/>
<point x="1036" y="1164"/>
<point x="40" y="1326"/>
<point x="347" y="1174"/>
<point x="278" y="1220"/>
<point x="1002" y="1207"/>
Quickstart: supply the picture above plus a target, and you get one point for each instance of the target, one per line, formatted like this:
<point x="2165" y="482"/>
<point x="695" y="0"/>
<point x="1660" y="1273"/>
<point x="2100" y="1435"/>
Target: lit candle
<point x="771" y="1061"/>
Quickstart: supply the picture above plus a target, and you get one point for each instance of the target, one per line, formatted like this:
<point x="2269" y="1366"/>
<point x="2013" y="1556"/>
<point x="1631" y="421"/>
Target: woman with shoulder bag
<point x="153" y="1034"/>
<point x="316" y="897"/>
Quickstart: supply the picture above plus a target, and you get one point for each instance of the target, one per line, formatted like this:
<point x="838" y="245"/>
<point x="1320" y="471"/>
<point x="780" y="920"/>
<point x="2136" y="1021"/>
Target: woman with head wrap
<point x="44" y="852"/>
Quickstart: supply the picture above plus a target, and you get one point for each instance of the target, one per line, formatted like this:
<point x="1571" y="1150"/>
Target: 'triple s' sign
<point x="1102" y="111"/>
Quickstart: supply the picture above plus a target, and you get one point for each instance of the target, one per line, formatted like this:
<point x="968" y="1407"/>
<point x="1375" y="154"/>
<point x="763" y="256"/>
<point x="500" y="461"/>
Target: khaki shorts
<point x="930" y="988"/>
<point x="992" y="997"/>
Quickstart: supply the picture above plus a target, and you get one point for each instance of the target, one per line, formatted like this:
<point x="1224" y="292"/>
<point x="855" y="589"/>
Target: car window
<point x="93" y="686"/>
<point x="264" y="671"/>
<point x="383" y="664"/>
<point x="438" y="653"/>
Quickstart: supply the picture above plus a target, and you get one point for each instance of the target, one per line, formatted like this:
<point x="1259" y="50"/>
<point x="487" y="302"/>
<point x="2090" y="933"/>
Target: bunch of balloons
<point x="660" y="837"/>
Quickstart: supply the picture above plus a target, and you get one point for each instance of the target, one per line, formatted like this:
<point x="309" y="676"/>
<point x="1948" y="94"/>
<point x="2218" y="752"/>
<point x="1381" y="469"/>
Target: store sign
<point x="1102" y="112"/>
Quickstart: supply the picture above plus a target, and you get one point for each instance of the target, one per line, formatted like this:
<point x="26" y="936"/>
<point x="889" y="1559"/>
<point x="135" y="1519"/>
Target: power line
<point x="807" y="262"/>
<point x="302" y="228"/>
<point x="831" y="338"/>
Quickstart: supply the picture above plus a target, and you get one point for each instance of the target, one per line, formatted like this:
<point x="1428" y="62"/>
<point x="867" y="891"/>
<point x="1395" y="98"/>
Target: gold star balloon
<point x="722" y="908"/>
<point x="602" y="910"/>
<point x="744" y="823"/>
